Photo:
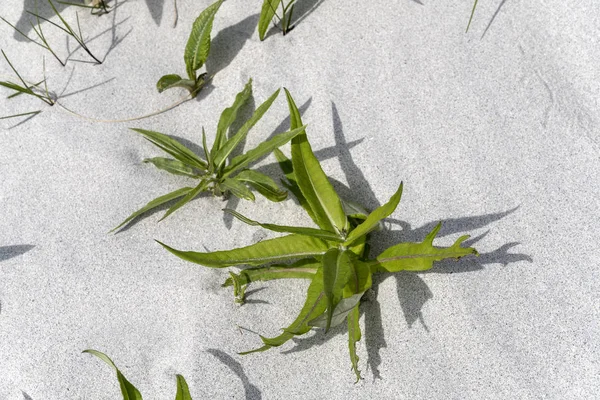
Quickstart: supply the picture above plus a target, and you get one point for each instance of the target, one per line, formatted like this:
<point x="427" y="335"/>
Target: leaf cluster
<point x="216" y="172"/>
<point x="332" y="256"/>
<point x="269" y="12"/>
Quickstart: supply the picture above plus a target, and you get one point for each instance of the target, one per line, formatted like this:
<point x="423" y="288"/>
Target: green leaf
<point x="318" y="233"/>
<point x="337" y="271"/>
<point x="198" y="45"/>
<point x="354" y="337"/>
<point x="288" y="169"/>
<point x="173" y="166"/>
<point x="173" y="80"/>
<point x="155" y="203"/>
<point x="128" y="391"/>
<point x="222" y="154"/>
<point x="301" y="269"/>
<point x="263" y="184"/>
<point x="279" y="249"/>
<point x="354" y="210"/>
<point x="266" y="16"/>
<point x="373" y="219"/>
<point x="314" y="306"/>
<point x="16" y="87"/>
<point x="228" y="117"/>
<point x="237" y="188"/>
<point x="205" y="148"/>
<point x="472" y="14"/>
<point x="344" y="307"/>
<point x="173" y="147"/>
<point x="419" y="256"/>
<point x="186" y="199"/>
<point x="183" y="392"/>
<point x="262" y="149"/>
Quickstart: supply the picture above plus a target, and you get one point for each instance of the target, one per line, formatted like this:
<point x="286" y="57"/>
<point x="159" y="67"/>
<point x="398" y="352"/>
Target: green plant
<point x="472" y="14"/>
<point x="130" y="392"/>
<point x="195" y="55"/>
<point x="269" y="11"/>
<point x="333" y="256"/>
<point x="214" y="172"/>
<point x="98" y="7"/>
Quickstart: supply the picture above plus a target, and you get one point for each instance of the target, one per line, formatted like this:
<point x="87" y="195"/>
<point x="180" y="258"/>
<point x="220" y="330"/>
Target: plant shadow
<point x="412" y="291"/>
<point x="251" y="392"/>
<point x="8" y="252"/>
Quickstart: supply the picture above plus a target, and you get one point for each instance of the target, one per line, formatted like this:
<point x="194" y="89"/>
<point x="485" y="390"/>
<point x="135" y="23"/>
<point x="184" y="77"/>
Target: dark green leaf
<point x="228" y="117"/>
<point x="128" y="391"/>
<point x="16" y="87"/>
<point x="288" y="169"/>
<point x="173" y="80"/>
<point x="173" y="147"/>
<point x="266" y="16"/>
<point x="237" y="188"/>
<point x="173" y="166"/>
<point x="191" y="195"/>
<point x="337" y="272"/>
<point x="279" y="249"/>
<point x="183" y="392"/>
<point x="318" y="233"/>
<point x="263" y="184"/>
<point x="339" y="314"/>
<point x="198" y="45"/>
<point x="302" y="269"/>
<point x="155" y="203"/>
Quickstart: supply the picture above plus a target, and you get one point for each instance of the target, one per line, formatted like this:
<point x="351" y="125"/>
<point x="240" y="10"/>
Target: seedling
<point x="195" y="55"/>
<point x="472" y="14"/>
<point x="98" y="7"/>
<point x="214" y="172"/>
<point x="28" y="89"/>
<point x="78" y="36"/>
<point x="269" y="12"/>
<point x="334" y="256"/>
<point x="130" y="392"/>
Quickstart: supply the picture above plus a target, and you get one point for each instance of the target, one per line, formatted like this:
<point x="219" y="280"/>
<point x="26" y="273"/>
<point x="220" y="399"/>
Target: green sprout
<point x="334" y="256"/>
<point x="216" y="173"/>
<point x="269" y="12"/>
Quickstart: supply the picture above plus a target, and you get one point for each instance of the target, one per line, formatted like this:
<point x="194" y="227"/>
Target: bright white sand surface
<point x="495" y="135"/>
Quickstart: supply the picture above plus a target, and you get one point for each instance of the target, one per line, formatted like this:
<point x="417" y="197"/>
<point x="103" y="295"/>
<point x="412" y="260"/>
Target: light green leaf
<point x="354" y="210"/>
<point x="314" y="306"/>
<point x="183" y="392"/>
<point x="373" y="219"/>
<point x="228" y="117"/>
<point x="472" y="14"/>
<point x="266" y="16"/>
<point x="186" y="199"/>
<point x="198" y="45"/>
<point x="339" y="314"/>
<point x="173" y="147"/>
<point x="128" y="391"/>
<point x="337" y="272"/>
<point x="301" y="269"/>
<point x="419" y="256"/>
<point x="313" y="182"/>
<point x="155" y="203"/>
<point x="173" y="80"/>
<point x="234" y="141"/>
<point x="263" y="184"/>
<point x="237" y="188"/>
<point x="173" y="166"/>
<point x="318" y="233"/>
<point x="205" y="148"/>
<point x="284" y="248"/>
<point x="354" y="337"/>
<point x="16" y="87"/>
<point x="261" y="150"/>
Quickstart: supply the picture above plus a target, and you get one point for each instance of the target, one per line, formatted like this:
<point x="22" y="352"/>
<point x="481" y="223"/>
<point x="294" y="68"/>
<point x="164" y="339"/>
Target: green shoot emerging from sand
<point x="195" y="55"/>
<point x="269" y="12"/>
<point x="215" y="173"/>
<point x="130" y="392"/>
<point x="333" y="256"/>
<point x="28" y="89"/>
<point x="98" y="7"/>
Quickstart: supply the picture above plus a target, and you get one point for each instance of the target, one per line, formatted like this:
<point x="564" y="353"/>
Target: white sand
<point x="498" y="136"/>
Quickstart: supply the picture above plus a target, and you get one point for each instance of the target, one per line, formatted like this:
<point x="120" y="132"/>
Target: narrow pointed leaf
<point x="313" y="182"/>
<point x="173" y="166"/>
<point x="173" y="147"/>
<point x="222" y="154"/>
<point x="183" y="392"/>
<point x="288" y="169"/>
<point x="237" y="188"/>
<point x="471" y="17"/>
<point x="155" y="203"/>
<point x="314" y="305"/>
<point x="372" y="221"/>
<point x="17" y="88"/>
<point x="318" y="233"/>
<point x="344" y="307"/>
<point x="263" y="184"/>
<point x="279" y="249"/>
<point x="420" y="256"/>
<point x="198" y="45"/>
<point x="302" y="269"/>
<point x="266" y="16"/>
<point x="191" y="195"/>
<point x="128" y="391"/>
<point x="228" y="117"/>
<point x="243" y="160"/>
<point x="354" y="336"/>
<point x="205" y="148"/>
<point x="337" y="271"/>
<point x="354" y="210"/>
<point x="173" y="80"/>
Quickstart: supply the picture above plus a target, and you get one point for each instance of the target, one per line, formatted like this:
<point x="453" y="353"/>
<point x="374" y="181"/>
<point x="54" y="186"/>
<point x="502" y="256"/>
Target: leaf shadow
<point x="227" y="44"/>
<point x="493" y="18"/>
<point x="43" y="10"/>
<point x="156" y="10"/>
<point x="304" y="8"/>
<point x="26" y="396"/>
<point x="251" y="392"/>
<point x="8" y="252"/>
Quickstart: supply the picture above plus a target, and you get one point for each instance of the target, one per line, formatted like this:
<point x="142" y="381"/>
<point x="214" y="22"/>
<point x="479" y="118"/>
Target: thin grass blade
<point x="22" y="114"/>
